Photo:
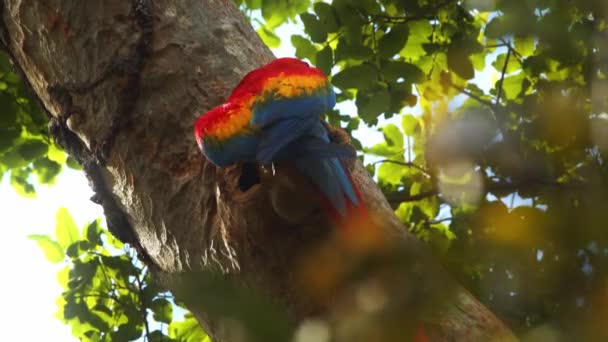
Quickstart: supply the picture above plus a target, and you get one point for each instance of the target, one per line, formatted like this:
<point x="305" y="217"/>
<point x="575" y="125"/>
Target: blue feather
<point x="292" y="130"/>
<point x="232" y="150"/>
<point x="317" y="158"/>
<point x="280" y="134"/>
<point x="275" y="109"/>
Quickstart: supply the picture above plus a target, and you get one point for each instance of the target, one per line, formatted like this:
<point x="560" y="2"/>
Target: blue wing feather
<point x="233" y="150"/>
<point x="271" y="110"/>
<point x="292" y="130"/>
<point x="314" y="147"/>
<point x="280" y="134"/>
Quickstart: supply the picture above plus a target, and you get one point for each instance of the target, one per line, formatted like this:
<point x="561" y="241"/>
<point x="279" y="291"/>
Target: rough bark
<point x="123" y="82"/>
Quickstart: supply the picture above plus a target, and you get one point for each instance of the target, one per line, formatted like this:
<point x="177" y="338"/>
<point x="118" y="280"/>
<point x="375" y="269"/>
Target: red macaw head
<point x="209" y="123"/>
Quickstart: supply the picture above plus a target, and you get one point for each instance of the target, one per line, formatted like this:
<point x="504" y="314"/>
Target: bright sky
<point x="28" y="285"/>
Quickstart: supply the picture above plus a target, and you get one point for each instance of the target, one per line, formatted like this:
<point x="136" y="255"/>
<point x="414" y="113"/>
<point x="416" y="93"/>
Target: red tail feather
<point x="357" y="229"/>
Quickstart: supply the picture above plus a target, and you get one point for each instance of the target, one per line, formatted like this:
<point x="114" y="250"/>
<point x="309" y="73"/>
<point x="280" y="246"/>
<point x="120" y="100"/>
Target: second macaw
<point x="275" y="114"/>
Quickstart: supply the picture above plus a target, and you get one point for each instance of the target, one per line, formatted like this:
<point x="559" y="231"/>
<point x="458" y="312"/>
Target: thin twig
<point x="401" y="197"/>
<point x="502" y="77"/>
<point x="143" y="306"/>
<point x="439" y="220"/>
<point x="474" y="97"/>
<point x="408" y="164"/>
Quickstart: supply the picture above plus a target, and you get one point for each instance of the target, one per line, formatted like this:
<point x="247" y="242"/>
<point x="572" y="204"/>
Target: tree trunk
<point x="123" y="82"/>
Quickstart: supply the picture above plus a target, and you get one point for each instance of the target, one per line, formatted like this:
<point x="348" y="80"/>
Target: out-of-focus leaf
<point x="314" y="28"/>
<point x="359" y="76"/>
<point x="187" y="330"/>
<point x="410" y="124"/>
<point x="324" y="60"/>
<point x="501" y="60"/>
<point x="327" y="16"/>
<point x="46" y="170"/>
<point x="459" y="62"/>
<point x="304" y="48"/>
<point x="525" y="45"/>
<point x="21" y="184"/>
<point x="163" y="310"/>
<point x="65" y="228"/>
<point x="32" y="149"/>
<point x="269" y="38"/>
<point x="392" y="173"/>
<point x="394" y="70"/>
<point x="53" y="251"/>
<point x="352" y="50"/>
<point x="393" y="136"/>
<point x="372" y="103"/>
<point x="391" y="43"/>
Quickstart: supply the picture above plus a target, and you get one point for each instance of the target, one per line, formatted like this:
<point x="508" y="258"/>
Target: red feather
<point x="253" y="83"/>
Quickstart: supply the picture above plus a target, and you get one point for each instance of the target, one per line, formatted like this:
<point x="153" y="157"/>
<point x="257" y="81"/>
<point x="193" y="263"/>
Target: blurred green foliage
<point x="25" y="147"/>
<point x="501" y="168"/>
<point x="108" y="294"/>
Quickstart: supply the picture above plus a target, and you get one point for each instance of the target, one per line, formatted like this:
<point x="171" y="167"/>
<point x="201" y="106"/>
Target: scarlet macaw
<point x="275" y="114"/>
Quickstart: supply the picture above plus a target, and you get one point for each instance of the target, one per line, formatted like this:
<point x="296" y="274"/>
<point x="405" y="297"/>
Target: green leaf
<point x="479" y="61"/>
<point x="56" y="154"/>
<point x="384" y="150"/>
<point x="394" y="70"/>
<point x="324" y="60"/>
<point x="253" y="4"/>
<point x="46" y="170"/>
<point x="459" y="62"/>
<point x="127" y="332"/>
<point x="73" y="164"/>
<point x="32" y="149"/>
<point x="65" y="228"/>
<point x="419" y="34"/>
<point x="63" y="276"/>
<point x="162" y="309"/>
<point x="327" y="16"/>
<point x="391" y="43"/>
<point x="8" y="115"/>
<point x="93" y="233"/>
<point x="187" y="330"/>
<point x="352" y="50"/>
<point x="512" y="85"/>
<point x="391" y="173"/>
<point x="20" y="183"/>
<point x="371" y="103"/>
<point x="314" y="28"/>
<point x="304" y="48"/>
<point x="119" y="263"/>
<point x="525" y="46"/>
<point x="496" y="28"/>
<point x="359" y="76"/>
<point x="53" y="252"/>
<point x="8" y="136"/>
<point x="275" y="12"/>
<point x="393" y="136"/>
<point x="401" y="96"/>
<point x="500" y="61"/>
<point x="158" y="336"/>
<point x="269" y="37"/>
<point x="410" y="124"/>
